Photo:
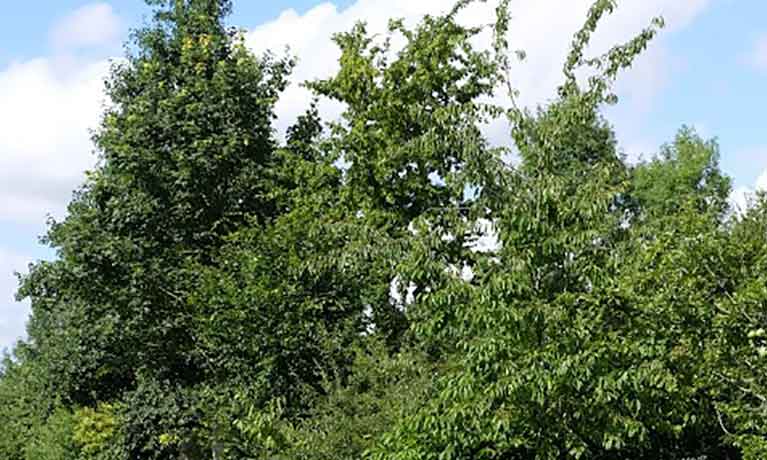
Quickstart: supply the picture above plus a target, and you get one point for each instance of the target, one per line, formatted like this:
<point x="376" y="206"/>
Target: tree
<point x="559" y="350"/>
<point x="685" y="175"/>
<point x="410" y="139"/>
<point x="314" y="284"/>
<point x="187" y="156"/>
<point x="25" y="401"/>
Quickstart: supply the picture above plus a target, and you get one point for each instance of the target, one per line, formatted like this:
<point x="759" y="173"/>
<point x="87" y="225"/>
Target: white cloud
<point x="485" y="237"/>
<point x="543" y="28"/>
<point x="47" y="107"/>
<point x="741" y="197"/>
<point x="13" y="314"/>
<point x="758" y="55"/>
<point x="46" y="111"/>
<point x="94" y="24"/>
<point x="761" y="182"/>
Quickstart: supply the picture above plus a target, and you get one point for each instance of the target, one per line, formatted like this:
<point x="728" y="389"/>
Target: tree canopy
<point x="220" y="293"/>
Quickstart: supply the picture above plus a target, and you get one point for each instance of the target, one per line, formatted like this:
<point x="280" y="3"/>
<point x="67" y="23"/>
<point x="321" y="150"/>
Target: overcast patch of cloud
<point x="742" y="197"/>
<point x="47" y="112"/>
<point x="95" y="24"/>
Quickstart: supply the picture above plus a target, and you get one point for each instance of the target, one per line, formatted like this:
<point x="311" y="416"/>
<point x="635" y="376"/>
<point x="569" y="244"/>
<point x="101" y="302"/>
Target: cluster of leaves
<point x="221" y="294"/>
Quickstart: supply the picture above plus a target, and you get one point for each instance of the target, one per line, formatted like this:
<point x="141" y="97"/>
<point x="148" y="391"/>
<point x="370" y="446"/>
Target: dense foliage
<point x="218" y="293"/>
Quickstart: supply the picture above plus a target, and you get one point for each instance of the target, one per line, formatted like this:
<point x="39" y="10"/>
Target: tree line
<point x="220" y="293"/>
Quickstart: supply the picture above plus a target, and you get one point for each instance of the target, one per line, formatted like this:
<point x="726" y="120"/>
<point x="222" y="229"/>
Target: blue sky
<point x="708" y="69"/>
<point x="25" y="26"/>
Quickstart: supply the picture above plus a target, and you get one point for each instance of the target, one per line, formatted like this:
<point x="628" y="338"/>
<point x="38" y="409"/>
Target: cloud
<point x="758" y="55"/>
<point x="543" y="28"/>
<point x="748" y="167"/>
<point x="741" y="197"/>
<point x="94" y="24"/>
<point x="47" y="110"/>
<point x="13" y="314"/>
<point x="761" y="182"/>
<point x="47" y="106"/>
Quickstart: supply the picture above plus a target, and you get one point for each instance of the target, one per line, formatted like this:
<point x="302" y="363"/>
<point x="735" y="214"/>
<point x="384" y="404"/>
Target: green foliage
<point x="94" y="429"/>
<point x="411" y="134"/>
<point x="297" y="290"/>
<point x="25" y="401"/>
<point x="54" y="439"/>
<point x="218" y="294"/>
<point x="355" y="412"/>
<point x="686" y="174"/>
<point x="737" y="351"/>
<point x="186" y="158"/>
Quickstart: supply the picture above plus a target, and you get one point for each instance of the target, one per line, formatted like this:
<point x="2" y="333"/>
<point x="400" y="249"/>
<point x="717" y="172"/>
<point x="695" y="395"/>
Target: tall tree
<point x="187" y="156"/>
<point x="410" y="138"/>
<point x="316" y="284"/>
<point x="547" y="356"/>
